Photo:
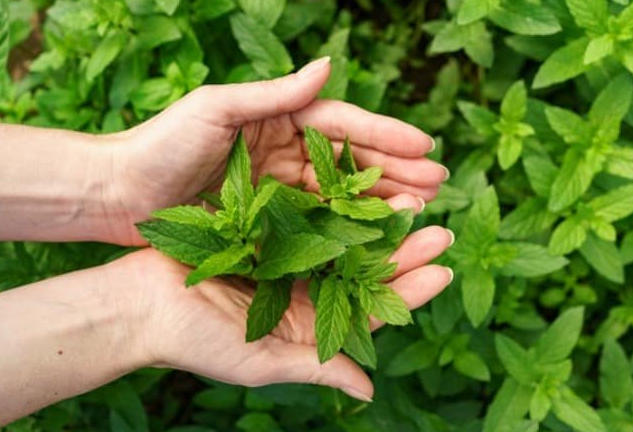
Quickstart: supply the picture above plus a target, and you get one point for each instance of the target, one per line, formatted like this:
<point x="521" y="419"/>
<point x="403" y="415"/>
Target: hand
<point x="202" y="329"/>
<point x="169" y="159"/>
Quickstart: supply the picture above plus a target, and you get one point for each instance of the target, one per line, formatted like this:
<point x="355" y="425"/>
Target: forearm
<point x="68" y="335"/>
<point x="54" y="185"/>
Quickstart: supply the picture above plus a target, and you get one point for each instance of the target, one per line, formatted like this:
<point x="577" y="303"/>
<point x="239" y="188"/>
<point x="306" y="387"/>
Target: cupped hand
<point x="202" y="329"/>
<point x="172" y="157"/>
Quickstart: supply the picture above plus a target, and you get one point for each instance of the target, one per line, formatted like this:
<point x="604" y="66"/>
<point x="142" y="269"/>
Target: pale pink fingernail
<point x="451" y="274"/>
<point x="357" y="394"/>
<point x="422" y="204"/>
<point x="447" y="174"/>
<point x="452" y="234"/>
<point x="314" y="65"/>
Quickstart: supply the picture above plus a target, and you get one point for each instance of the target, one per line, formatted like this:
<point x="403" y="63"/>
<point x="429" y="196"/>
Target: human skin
<point x="72" y="333"/>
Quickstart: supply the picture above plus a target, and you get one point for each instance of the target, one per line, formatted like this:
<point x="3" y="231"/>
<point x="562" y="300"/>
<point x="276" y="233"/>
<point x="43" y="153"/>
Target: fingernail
<point x="422" y="204"/>
<point x="314" y="65"/>
<point x="447" y="174"/>
<point x="451" y="274"/>
<point x="452" y="234"/>
<point x="357" y="394"/>
<point x="433" y="144"/>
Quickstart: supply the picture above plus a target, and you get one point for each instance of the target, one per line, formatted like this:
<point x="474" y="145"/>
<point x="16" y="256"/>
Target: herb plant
<point x="274" y="234"/>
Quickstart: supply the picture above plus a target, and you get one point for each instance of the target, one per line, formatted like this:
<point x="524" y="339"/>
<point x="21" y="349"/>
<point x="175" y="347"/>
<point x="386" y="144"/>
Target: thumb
<point x="299" y="363"/>
<point x="240" y="103"/>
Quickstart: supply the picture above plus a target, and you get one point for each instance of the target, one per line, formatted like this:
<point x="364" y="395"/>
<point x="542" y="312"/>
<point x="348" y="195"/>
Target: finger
<point x="240" y="103"/>
<point x="419" y="286"/>
<point x="300" y="363"/>
<point x="414" y="171"/>
<point x="421" y="247"/>
<point x="385" y="188"/>
<point x="406" y="201"/>
<point x="339" y="119"/>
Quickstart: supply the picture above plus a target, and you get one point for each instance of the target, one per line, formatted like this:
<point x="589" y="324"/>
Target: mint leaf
<point x="363" y="180"/>
<point x="269" y="304"/>
<point x="509" y="405"/>
<point x="478" y="117"/>
<point x="613" y="102"/>
<point x="107" y="51"/>
<point x="568" y="236"/>
<point x="590" y="14"/>
<point x="558" y="341"/>
<point x="333" y="313"/>
<point x="267" y="54"/>
<point x="529" y="218"/>
<point x="322" y="157"/>
<point x="616" y="384"/>
<point x="526" y="18"/>
<point x="397" y="226"/>
<point x="219" y="263"/>
<point x="478" y="290"/>
<point x="541" y="173"/>
<point x="389" y="307"/>
<point x="564" y="63"/>
<point x="264" y="195"/>
<point x="599" y="48"/>
<point x="419" y="355"/>
<point x="515" y="359"/>
<point x="358" y="343"/>
<point x="572" y="181"/>
<point x="369" y="208"/>
<point x="265" y="12"/>
<point x="237" y="192"/>
<point x="614" y="205"/>
<point x="346" y="162"/>
<point x="474" y="10"/>
<point x="188" y="244"/>
<point x="471" y="365"/>
<point x="348" y="232"/>
<point x="572" y="410"/>
<point x="569" y="125"/>
<point x="604" y="257"/>
<point x="189" y="215"/>
<point x="514" y="103"/>
<point x="295" y="253"/>
<point x="532" y="260"/>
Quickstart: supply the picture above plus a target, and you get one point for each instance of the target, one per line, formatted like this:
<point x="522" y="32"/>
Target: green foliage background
<point x="530" y="102"/>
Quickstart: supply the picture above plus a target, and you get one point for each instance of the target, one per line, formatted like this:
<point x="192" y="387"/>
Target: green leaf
<point x="572" y="181"/>
<point x="188" y="244"/>
<point x="558" y="341"/>
<point x="515" y="359"/>
<point x="264" y="195"/>
<point x="604" y="257"/>
<point x="358" y="343"/>
<point x="267" y="12"/>
<point x="417" y="356"/>
<point x="509" y="151"/>
<point x="564" y="63"/>
<point x="590" y="14"/>
<point x="266" y="53"/>
<point x="478" y="117"/>
<point x="390" y="307"/>
<point x="107" y="50"/>
<point x="514" y="104"/>
<point x="154" y="94"/>
<point x="626" y="248"/>
<point x="348" y="232"/>
<point x="368" y="208"/>
<point x="540" y="404"/>
<point x="572" y="410"/>
<point x="4" y="44"/>
<point x="269" y="304"/>
<point x="529" y="218"/>
<point x="614" y="205"/>
<point x="541" y="173"/>
<point x="616" y="383"/>
<point x="478" y="291"/>
<point x="620" y="161"/>
<point x="472" y="365"/>
<point x="333" y="315"/>
<point x="567" y="237"/>
<point x="569" y="125"/>
<point x="599" y="48"/>
<point x="613" y="102"/>
<point x="346" y="162"/>
<point x="526" y="18"/>
<point x="188" y="215"/>
<point x="532" y="260"/>
<point x="295" y="253"/>
<point x="363" y="180"/>
<point x="208" y="10"/>
<point x="509" y="405"/>
<point x="473" y="10"/>
<point x="237" y="191"/>
<point x="336" y="48"/>
<point x="156" y="30"/>
<point x="322" y="158"/>
<point x="168" y="6"/>
<point x="219" y="263"/>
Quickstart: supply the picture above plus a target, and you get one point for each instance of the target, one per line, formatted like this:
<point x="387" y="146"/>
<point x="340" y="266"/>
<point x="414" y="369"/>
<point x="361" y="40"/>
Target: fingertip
<point x="406" y="201"/>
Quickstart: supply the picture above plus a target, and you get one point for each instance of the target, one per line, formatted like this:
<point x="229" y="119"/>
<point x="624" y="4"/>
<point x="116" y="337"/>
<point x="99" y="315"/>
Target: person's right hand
<point x="172" y="157"/>
<point x="202" y="329"/>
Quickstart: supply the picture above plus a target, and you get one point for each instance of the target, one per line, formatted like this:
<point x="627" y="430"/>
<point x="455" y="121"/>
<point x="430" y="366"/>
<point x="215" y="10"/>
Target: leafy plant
<point x="275" y="234"/>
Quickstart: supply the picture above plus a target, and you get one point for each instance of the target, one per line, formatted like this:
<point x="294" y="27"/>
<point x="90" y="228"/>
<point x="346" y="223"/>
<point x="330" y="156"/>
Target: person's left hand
<point x="169" y="159"/>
